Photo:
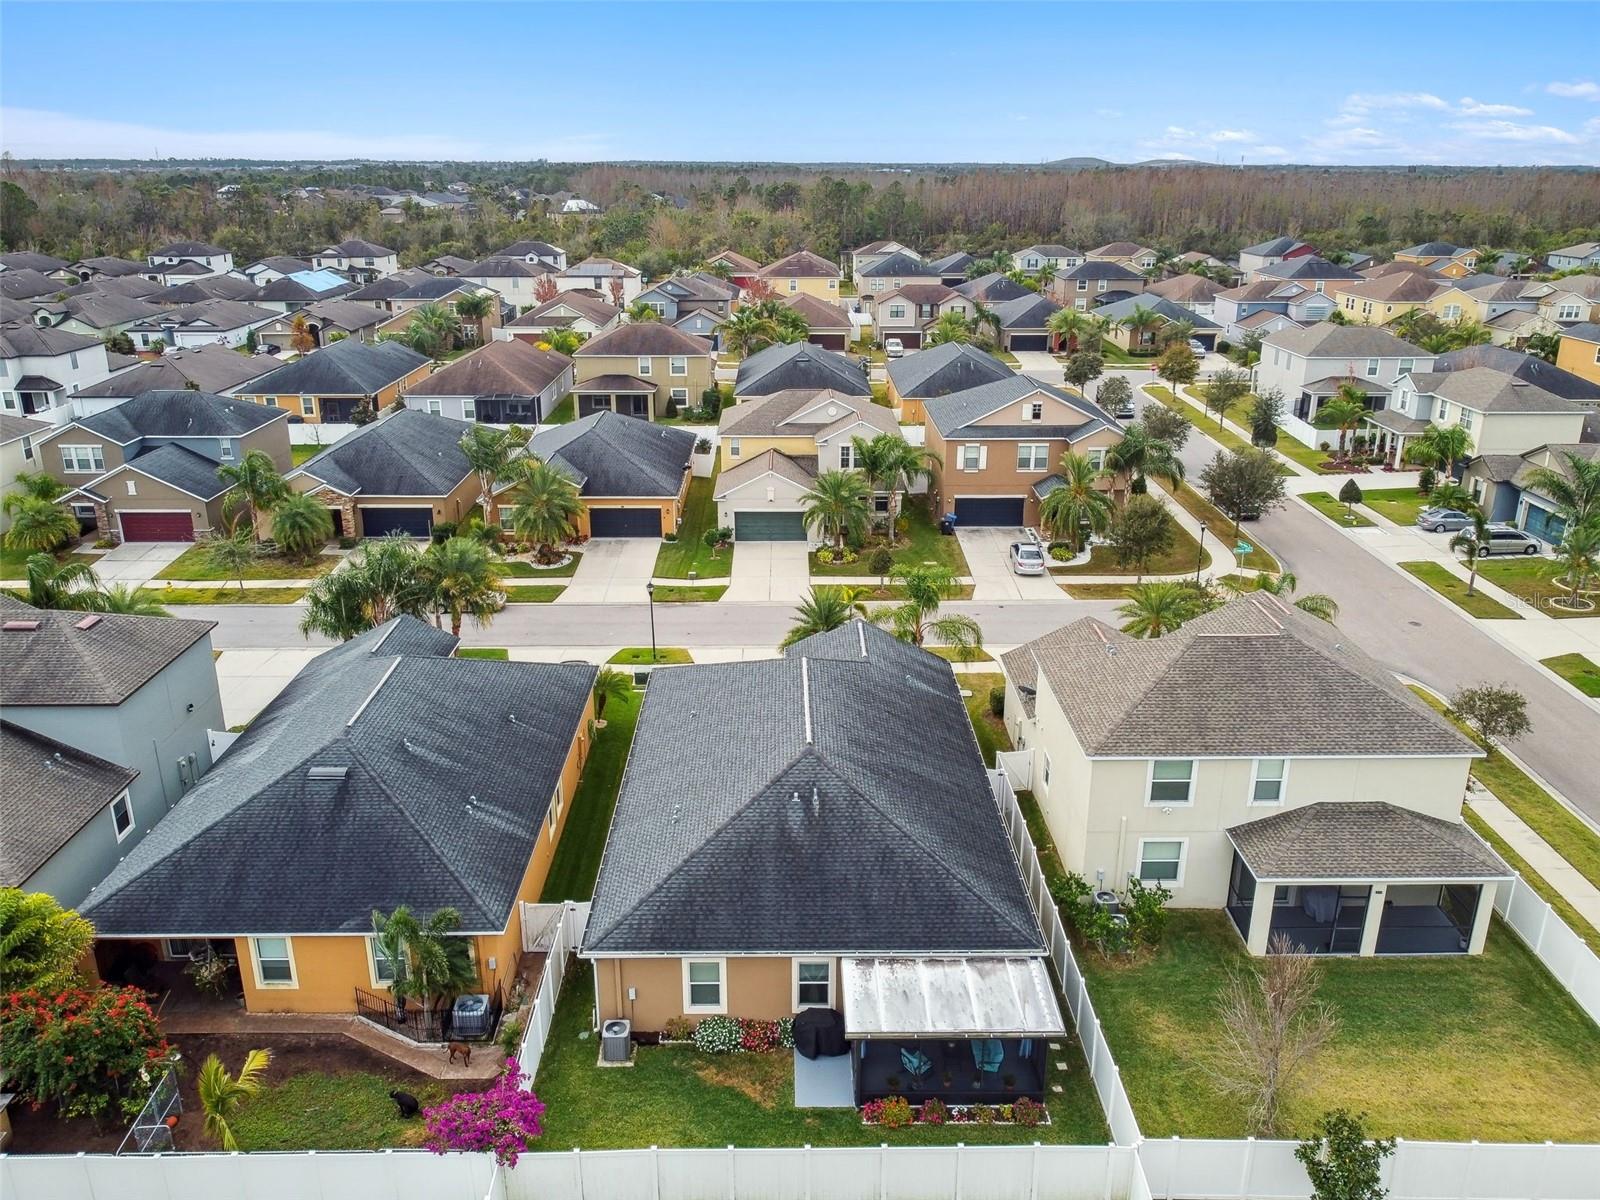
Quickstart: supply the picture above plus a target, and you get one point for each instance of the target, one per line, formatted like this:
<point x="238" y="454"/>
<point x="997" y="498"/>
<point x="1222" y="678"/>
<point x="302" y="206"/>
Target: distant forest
<point x="768" y="211"/>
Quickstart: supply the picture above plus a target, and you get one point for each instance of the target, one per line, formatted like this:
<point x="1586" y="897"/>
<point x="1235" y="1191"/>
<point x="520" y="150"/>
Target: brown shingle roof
<point x="512" y="368"/>
<point x="800" y="264"/>
<point x="644" y="339"/>
<point x="819" y="314"/>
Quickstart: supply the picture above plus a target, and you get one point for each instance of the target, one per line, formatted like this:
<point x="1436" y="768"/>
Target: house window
<point x="379" y="964"/>
<point x="1172" y="781"/>
<point x="1452" y="311"/>
<point x="1046" y="776"/>
<point x="1407" y="365"/>
<point x="877" y="285"/>
<point x="1444" y="409"/>
<point x="681" y="395"/>
<point x="1033" y="411"/>
<point x="1372" y="367"/>
<point x="897" y="312"/>
<point x="1569" y="312"/>
<point x="971" y="458"/>
<point x="73" y="360"/>
<point x="308" y="406"/>
<point x="1102" y="286"/>
<point x="813" y="983"/>
<point x="469" y="409"/>
<point x="122" y="816"/>
<point x="1097" y="459"/>
<point x="274" y="962"/>
<point x="226" y="449"/>
<point x="847" y="457"/>
<point x="27" y="449"/>
<point x="1083" y="285"/>
<point x="1161" y="861"/>
<point x="82" y="460"/>
<point x="678" y="365"/>
<point x="506" y="519"/>
<point x="1033" y="456"/>
<point x="833" y="285"/>
<point x="1266" y="780"/>
<point x="703" y="985"/>
<point x="436" y="407"/>
<point x="644" y="368"/>
<point x="794" y="285"/>
<point x="1466" y="418"/>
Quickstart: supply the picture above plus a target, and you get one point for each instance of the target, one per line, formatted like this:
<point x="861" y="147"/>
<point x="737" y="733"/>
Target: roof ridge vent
<point x="20" y="626"/>
<point x="327" y="772"/>
<point x="88" y="622"/>
<point x="805" y="694"/>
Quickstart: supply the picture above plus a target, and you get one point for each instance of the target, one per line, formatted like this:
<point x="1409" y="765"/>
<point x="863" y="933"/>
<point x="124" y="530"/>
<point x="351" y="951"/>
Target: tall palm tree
<point x="747" y="331"/>
<point x="1076" y="504"/>
<point x="1574" y="486"/>
<point x="1159" y="607"/>
<point x="256" y="487"/>
<point x="1141" y="317"/>
<point x="131" y="601"/>
<point x="38" y="524"/>
<point x="839" y="503"/>
<point x="822" y="609"/>
<point x="1072" y="326"/>
<point x="1473" y="545"/>
<point x="912" y="620"/>
<point x="545" y="506"/>
<point x="950" y="327"/>
<point x="1345" y="411"/>
<point x="893" y="465"/>
<point x="384" y="581"/>
<point x="476" y="308"/>
<point x="52" y="584"/>
<point x="489" y="452"/>
<point x="32" y="485"/>
<point x="1139" y="455"/>
<point x="221" y="1094"/>
<point x="300" y="525"/>
<point x="1439" y="446"/>
<point x="462" y="581"/>
<point x="1318" y="604"/>
<point x="428" y="959"/>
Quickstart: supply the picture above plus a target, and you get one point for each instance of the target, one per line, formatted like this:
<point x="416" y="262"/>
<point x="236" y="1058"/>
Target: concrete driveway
<point x="769" y="571"/>
<point x="988" y="563"/>
<point x="249" y="680"/>
<point x="611" y="571"/>
<point x="1039" y="365"/>
<point x="134" y="563"/>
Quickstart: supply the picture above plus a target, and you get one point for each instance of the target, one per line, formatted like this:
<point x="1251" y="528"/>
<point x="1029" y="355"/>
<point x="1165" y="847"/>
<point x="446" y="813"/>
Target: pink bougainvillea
<point x="502" y="1120"/>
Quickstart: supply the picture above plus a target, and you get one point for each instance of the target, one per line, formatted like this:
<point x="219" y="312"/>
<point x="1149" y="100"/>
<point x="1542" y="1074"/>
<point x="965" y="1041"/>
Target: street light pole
<point x="1201" y="557"/>
<point x="650" y="591"/>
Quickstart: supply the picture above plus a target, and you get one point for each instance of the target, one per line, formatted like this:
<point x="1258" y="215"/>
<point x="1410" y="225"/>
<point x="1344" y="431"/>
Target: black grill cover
<point x="819" y="1033"/>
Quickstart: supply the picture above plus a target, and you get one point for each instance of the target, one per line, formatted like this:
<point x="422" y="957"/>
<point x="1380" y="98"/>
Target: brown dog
<point x="464" y="1050"/>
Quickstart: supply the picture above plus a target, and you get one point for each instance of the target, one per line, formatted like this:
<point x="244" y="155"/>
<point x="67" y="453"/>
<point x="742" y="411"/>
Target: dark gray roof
<point x="1097" y="269"/>
<point x="789" y="365"/>
<point x="1308" y="267"/>
<point x="356" y="248"/>
<point x="404" y="453"/>
<point x="101" y="309"/>
<point x="386" y="773"/>
<point x="1551" y="378"/>
<point x="188" y="250"/>
<point x="179" y="413"/>
<point x="212" y="287"/>
<point x="956" y="411"/>
<point x="644" y="338"/>
<point x="437" y="287"/>
<point x="399" y="281"/>
<point x="220" y="314"/>
<point x="897" y="265"/>
<point x="1025" y="312"/>
<point x="612" y="383"/>
<point x="1432" y="250"/>
<point x="1326" y="340"/>
<point x="30" y="260"/>
<point x="618" y="456"/>
<point x="26" y="283"/>
<point x="1363" y="840"/>
<point x="341" y="312"/>
<point x="777" y="806"/>
<point x="17" y="341"/>
<point x="1052" y="250"/>
<point x="526" y="247"/>
<point x="1489" y="390"/>
<point x="178" y="467"/>
<point x="951" y="263"/>
<point x="1170" y="309"/>
<point x="347" y="368"/>
<point x="1583" y="331"/>
<point x="289" y="289"/>
<point x="1498" y="468"/>
<point x="502" y="368"/>
<point x="992" y="288"/>
<point x="116" y="285"/>
<point x="211" y="368"/>
<point x="1277" y="246"/>
<point x="1201" y="690"/>
<point x="939" y="370"/>
<point x="105" y="662"/>
<point x="48" y="792"/>
<point x="282" y="263"/>
<point x="110" y="265"/>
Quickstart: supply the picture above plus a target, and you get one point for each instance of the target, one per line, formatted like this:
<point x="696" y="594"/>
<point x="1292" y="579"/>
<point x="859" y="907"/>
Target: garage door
<point x="1030" y="341"/>
<point x="769" y="527"/>
<point x="413" y="522"/>
<point x="830" y="341"/>
<point x="157" y="527"/>
<point x="625" y="522"/>
<point x="988" y="510"/>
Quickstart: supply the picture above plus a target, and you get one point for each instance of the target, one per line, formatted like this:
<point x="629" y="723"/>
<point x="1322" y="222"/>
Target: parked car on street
<point x="1507" y="539"/>
<point x="1027" y="558"/>
<point x="1442" y="520"/>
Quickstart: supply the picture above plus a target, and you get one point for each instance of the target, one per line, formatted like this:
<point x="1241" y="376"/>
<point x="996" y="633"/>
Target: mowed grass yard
<point x="1454" y="589"/>
<point x="1533" y="578"/>
<point x="1400" y="505"/>
<point x="1450" y="1048"/>
<point x="922" y="543"/>
<point x="1179" y="559"/>
<point x="676" y="559"/>
<point x="195" y="566"/>
<point x="577" y="860"/>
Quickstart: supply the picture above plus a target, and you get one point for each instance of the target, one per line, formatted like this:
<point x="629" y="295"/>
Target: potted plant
<point x="893" y="1083"/>
<point x="1009" y="1082"/>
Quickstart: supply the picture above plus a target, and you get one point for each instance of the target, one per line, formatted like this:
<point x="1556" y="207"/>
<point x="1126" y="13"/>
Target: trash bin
<point x="947" y="524"/>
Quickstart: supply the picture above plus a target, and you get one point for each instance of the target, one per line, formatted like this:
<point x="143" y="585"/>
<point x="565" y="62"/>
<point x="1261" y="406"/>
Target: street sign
<point x="1243" y="548"/>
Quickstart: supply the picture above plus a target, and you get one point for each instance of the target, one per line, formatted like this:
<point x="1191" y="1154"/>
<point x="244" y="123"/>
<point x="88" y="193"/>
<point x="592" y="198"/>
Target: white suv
<point x="1503" y="539"/>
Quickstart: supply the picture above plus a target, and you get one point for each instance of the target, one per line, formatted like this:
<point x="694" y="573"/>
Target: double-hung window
<point x="122" y="816"/>
<point x="469" y="408"/>
<point x="644" y="367"/>
<point x="1161" y="860"/>
<point x="1083" y="285"/>
<point x="733" y="447"/>
<point x="897" y="312"/>
<point x="813" y="983"/>
<point x="379" y="963"/>
<point x="971" y="458"/>
<point x="435" y="405"/>
<point x="847" y="456"/>
<point x="1372" y="367"/>
<point x="704" y="985"/>
<point x="1172" y="781"/>
<point x="1569" y="312"/>
<point x="274" y="961"/>
<point x="678" y="365"/>
<point x="1267" y="779"/>
<point x="1033" y="456"/>
<point x="82" y="460"/>
<point x="1097" y="458"/>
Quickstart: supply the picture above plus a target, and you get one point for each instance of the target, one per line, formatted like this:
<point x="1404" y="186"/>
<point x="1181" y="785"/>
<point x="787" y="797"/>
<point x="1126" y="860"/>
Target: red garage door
<point x="830" y="341"/>
<point x="157" y="527"/>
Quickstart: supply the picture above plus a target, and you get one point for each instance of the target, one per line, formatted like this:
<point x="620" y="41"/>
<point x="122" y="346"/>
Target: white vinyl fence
<point x="1564" y="954"/>
<point x="568" y="932"/>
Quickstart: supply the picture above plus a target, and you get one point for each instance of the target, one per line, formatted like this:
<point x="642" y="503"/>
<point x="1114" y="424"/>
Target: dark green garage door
<point x="769" y="527"/>
<point x="413" y="522"/>
<point x="625" y="522"/>
<point x="988" y="510"/>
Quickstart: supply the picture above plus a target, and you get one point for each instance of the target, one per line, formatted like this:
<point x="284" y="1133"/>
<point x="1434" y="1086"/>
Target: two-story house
<point x="105" y="730"/>
<point x="1046" y="257"/>
<point x="1310" y="365"/>
<point x="639" y="369"/>
<point x="909" y="311"/>
<point x="1579" y="351"/>
<point x="863" y="257"/>
<point x="208" y="323"/>
<point x="787" y="366"/>
<point x="679" y="295"/>
<point x="952" y="268"/>
<point x="447" y="292"/>
<point x="321" y="321"/>
<point x="1092" y="283"/>
<point x="1239" y="310"/>
<point x="362" y="261"/>
<point x="1128" y="254"/>
<point x="996" y="447"/>
<point x="1563" y="302"/>
<point x="738" y="268"/>
<point x="1253" y="259"/>
<point x="17" y="435"/>
<point x="146" y="469"/>
<point x="1445" y="258"/>
<point x="1327" y="809"/>
<point x="329" y="385"/>
<point x="1383" y="299"/>
<point x="533" y="250"/>
<point x="1502" y="413"/>
<point x="213" y="260"/>
<point x="893" y="272"/>
<point x="275" y="267"/>
<point x="1195" y="292"/>
<point x="616" y="281"/>
<point x="1480" y="298"/>
<point x="938" y="371"/>
<point x="1575" y="257"/>
<point x="1310" y="271"/>
<point x="41" y="369"/>
<point x="802" y="271"/>
<point x="291" y="293"/>
<point x="515" y="279"/>
<point x="582" y="312"/>
<point x="992" y="288"/>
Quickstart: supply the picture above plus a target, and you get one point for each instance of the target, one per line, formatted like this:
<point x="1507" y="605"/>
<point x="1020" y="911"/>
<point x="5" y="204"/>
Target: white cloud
<point x="36" y="133"/>
<point x="1511" y="131"/>
<point x="1477" y="108"/>
<point x="1579" y="89"/>
<point x="1367" y="101"/>
<point x="1232" y="135"/>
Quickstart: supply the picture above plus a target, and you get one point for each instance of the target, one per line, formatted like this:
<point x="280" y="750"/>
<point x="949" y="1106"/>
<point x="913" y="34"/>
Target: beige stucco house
<point x="639" y="369"/>
<point x="803" y="271"/>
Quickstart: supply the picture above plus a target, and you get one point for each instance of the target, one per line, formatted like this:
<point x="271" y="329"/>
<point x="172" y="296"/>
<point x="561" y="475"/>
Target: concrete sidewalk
<point x="1566" y="879"/>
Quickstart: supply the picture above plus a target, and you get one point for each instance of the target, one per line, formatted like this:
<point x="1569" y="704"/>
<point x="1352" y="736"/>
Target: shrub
<point x="1427" y="480"/>
<point x="711" y="402"/>
<point x="1027" y="1112"/>
<point x="1071" y="893"/>
<point x="1146" y="908"/>
<point x="893" y="1113"/>
<point x="348" y="543"/>
<point x="846" y="555"/>
<point x="81" y="1047"/>
<point x="997" y="700"/>
<point x="510" y="1039"/>
<point x="1061" y="552"/>
<point x="1350" y="493"/>
<point x="786" y="1033"/>
<point x="677" y="1029"/>
<point x="881" y="561"/>
<point x="104" y="543"/>
<point x="825" y="555"/>
<point x="503" y="1119"/>
<point x="934" y="1112"/>
<point x="443" y="531"/>
<point x="703" y="446"/>
<point x="672" y="407"/>
<point x="670" y="536"/>
<point x="758" y="1037"/>
<point x="982" y="1114"/>
<point x="718" y="1035"/>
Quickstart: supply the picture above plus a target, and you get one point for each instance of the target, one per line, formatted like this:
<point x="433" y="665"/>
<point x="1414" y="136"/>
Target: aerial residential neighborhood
<point x="567" y="646"/>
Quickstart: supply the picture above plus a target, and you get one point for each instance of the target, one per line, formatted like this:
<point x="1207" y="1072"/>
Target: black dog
<point x="406" y="1103"/>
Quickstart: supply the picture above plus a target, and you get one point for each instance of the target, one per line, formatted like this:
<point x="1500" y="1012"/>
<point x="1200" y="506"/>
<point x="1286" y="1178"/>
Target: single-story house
<point x="215" y="369"/>
<point x="952" y="268"/>
<point x="356" y="320"/>
<point x="1024" y="322"/>
<point x="498" y="383"/>
<point x="786" y="366"/>
<point x="210" y="322"/>
<point x="330" y="384"/>
<point x="1167" y="312"/>
<point x="584" y="313"/>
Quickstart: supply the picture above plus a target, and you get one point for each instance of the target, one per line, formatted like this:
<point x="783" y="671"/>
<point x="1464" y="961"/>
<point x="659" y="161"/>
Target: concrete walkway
<point x="134" y="563"/>
<point x="1541" y="856"/>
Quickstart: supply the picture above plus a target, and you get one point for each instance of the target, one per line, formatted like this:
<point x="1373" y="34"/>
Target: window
<point x="702" y="985"/>
<point x="553" y="813"/>
<point x="274" y="962"/>
<point x="469" y="409"/>
<point x="678" y="365"/>
<point x="877" y="285"/>
<point x="1033" y="411"/>
<point x="1046" y="777"/>
<point x="1033" y="456"/>
<point x="1407" y="365"/>
<point x="971" y="458"/>
<point x="82" y="460"/>
<point x="1161" y="861"/>
<point x="1372" y="367"/>
<point x="225" y="449"/>
<point x="506" y="522"/>
<point x="813" y="983"/>
<point x="1569" y="312"/>
<point x="1097" y="458"/>
<point x="1083" y="285"/>
<point x="1172" y="781"/>
<point x="1444" y="409"/>
<point x="73" y="360"/>
<point x="847" y="457"/>
<point x="897" y="312"/>
<point x="794" y="285"/>
<point x="379" y="964"/>
<point x="1102" y="286"/>
<point x="644" y="368"/>
<point x="308" y="406"/>
<point x="27" y="449"/>
<point x="1452" y="311"/>
<point x="1266" y="780"/>
<point x="833" y="285"/>
<point x="733" y="447"/>
<point x="681" y="395"/>
<point x="122" y="816"/>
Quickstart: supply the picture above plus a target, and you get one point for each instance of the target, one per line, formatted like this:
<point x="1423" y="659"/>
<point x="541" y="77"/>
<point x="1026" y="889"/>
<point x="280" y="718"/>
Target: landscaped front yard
<point x="690" y="553"/>
<point x="1454" y="589"/>
<point x="1335" y="510"/>
<point x="520" y="568"/>
<point x="1400" y="505"/>
<point x="1452" y="1048"/>
<point x="194" y="566"/>
<point x="14" y="563"/>
<point x="1533" y="578"/>
<point x="921" y="544"/>
<point x="1179" y="559"/>
<point x="1581" y="672"/>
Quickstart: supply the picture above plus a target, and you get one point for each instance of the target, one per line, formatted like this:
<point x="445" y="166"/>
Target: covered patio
<point x="967" y="1030"/>
<point x="1392" y="432"/>
<point x="1361" y="879"/>
<point x="625" y="395"/>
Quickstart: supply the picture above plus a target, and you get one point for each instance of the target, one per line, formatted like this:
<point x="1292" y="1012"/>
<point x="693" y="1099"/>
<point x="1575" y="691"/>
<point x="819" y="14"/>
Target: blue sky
<point x="1466" y="83"/>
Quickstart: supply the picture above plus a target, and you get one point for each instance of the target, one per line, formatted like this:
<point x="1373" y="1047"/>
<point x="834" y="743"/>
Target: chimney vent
<point x="20" y="626"/>
<point x="326" y="772"/>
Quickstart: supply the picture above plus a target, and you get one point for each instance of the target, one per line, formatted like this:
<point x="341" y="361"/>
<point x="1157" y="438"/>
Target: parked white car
<point x="1027" y="558"/>
<point x="893" y="348"/>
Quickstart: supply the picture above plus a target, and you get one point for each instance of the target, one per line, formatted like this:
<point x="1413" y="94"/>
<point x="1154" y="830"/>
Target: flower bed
<point x="897" y="1112"/>
<point x="743" y="1035"/>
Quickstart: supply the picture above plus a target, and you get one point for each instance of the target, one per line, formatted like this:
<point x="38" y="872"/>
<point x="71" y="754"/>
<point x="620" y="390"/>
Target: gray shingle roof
<point x="211" y="368"/>
<point x="1326" y="340"/>
<point x="776" y="806"/>
<point x="220" y="314"/>
<point x="289" y="289"/>
<point x="1025" y="312"/>
<point x="897" y="265"/>
<point x="956" y="411"/>
<point x="26" y="283"/>
<point x="619" y="456"/>
<point x="399" y="281"/>
<point x="179" y="413"/>
<point x="1278" y="245"/>
<point x="1097" y="269"/>
<point x="448" y="768"/>
<point x="1551" y="378"/>
<point x="802" y="263"/>
<point x="797" y="468"/>
<point x="592" y="307"/>
<point x="1583" y="331"/>
<point x="951" y="263"/>
<point x="61" y="664"/>
<point x="644" y="338"/>
<point x="1363" y="840"/>
<point x="188" y="249"/>
<point x="404" y="453"/>
<point x="939" y="370"/>
<point x="30" y="260"/>
<point x="17" y="341"/>
<point x="799" y="365"/>
<point x="1432" y="250"/>
<point x="180" y="468"/>
<point x="356" y="248"/>
<point x="14" y="427"/>
<point x="211" y="287"/>
<point x="1254" y="677"/>
<point x="774" y="414"/>
<point x="1170" y="309"/>
<point x="1307" y="267"/>
<point x="992" y="288"/>
<point x="1489" y="390"/>
<point x="347" y="368"/>
<point x="509" y="368"/>
<point x="48" y="792"/>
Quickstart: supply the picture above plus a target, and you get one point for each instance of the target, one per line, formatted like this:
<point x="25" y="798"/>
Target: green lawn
<point x="1307" y="456"/>
<point x="677" y="1096"/>
<point x="1454" y="589"/>
<point x="1582" y="673"/>
<point x="1206" y="425"/>
<point x="320" y="1111"/>
<point x="1201" y="509"/>
<point x="1098" y="591"/>
<point x="516" y="568"/>
<point x="14" y="563"/>
<point x="1400" y="505"/>
<point x="1533" y="579"/>
<point x="921" y="544"/>
<point x="690" y="553"/>
<point x="577" y="860"/>
<point x="1334" y="509"/>
<point x="561" y="414"/>
<point x="1238" y="412"/>
<point x="299" y="454"/>
<point x="194" y="566"/>
<point x="667" y="594"/>
<point x="1178" y="560"/>
<point x="536" y="593"/>
<point x="1115" y="355"/>
<point x="494" y="653"/>
<point x="1536" y="881"/>
<point x="227" y="595"/>
<point x="955" y="655"/>
<point x="639" y="656"/>
<point x="1452" y="1048"/>
<point x="991" y="730"/>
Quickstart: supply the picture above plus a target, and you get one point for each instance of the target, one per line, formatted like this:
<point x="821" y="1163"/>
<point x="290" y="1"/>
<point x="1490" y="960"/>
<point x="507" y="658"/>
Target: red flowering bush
<point x="934" y="1112"/>
<point x="1027" y="1112"/>
<point x="81" y="1047"/>
<point x="758" y="1036"/>
<point x="893" y="1113"/>
<point x="502" y="1120"/>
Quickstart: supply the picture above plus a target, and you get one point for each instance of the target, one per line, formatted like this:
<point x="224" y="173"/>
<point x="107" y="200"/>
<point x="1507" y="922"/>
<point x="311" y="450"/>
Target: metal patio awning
<point x="949" y="997"/>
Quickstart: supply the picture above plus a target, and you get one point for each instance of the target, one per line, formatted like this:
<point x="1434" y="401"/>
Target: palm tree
<point x="562" y="341"/>
<point x="1075" y="504"/>
<point x="1473" y="545"/>
<point x="32" y="485"/>
<point x="1159" y="607"/>
<point x="256" y="486"/>
<point x="918" y="615"/>
<point x="747" y="331"/>
<point x="610" y="685"/>
<point x="824" y="608"/>
<point x="950" y="327"/>
<point x="1439" y="446"/>
<point x="545" y="504"/>
<point x="489" y="452"/>
<point x="893" y="465"/>
<point x="1575" y="487"/>
<point x="1453" y="495"/>
<point x="1578" y="559"/>
<point x="1072" y="326"/>
<point x="987" y="325"/>
<point x="462" y="581"/>
<point x="476" y="307"/>
<point x="1139" y="455"/>
<point x="300" y="525"/>
<point x="640" y="310"/>
<point x="1318" y="604"/>
<point x="384" y="582"/>
<point x="38" y="524"/>
<point x="786" y="323"/>
<point x="428" y="959"/>
<point x="839" y="503"/>
<point x="1345" y="411"/>
<point x="131" y="601"/>
<point x="52" y="584"/>
<point x="221" y="1094"/>
<point x="433" y="329"/>
<point x="1137" y="321"/>
<point x="232" y="554"/>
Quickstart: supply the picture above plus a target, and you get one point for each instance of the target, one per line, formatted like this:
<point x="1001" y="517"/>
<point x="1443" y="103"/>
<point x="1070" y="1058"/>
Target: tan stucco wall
<point x="700" y="367"/>
<point x="155" y="496"/>
<point x="752" y="447"/>
<point x="810" y="285"/>
<point x="1579" y="358"/>
<point x="761" y="988"/>
<point x="999" y="476"/>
